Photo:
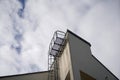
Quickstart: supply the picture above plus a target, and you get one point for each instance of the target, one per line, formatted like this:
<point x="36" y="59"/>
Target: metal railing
<point x="55" y="48"/>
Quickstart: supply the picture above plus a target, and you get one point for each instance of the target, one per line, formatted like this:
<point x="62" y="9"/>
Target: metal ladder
<point x="55" y="48"/>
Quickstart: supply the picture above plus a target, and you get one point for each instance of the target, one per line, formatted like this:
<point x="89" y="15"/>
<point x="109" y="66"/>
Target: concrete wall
<point x="31" y="76"/>
<point x="65" y="63"/>
<point x="82" y="60"/>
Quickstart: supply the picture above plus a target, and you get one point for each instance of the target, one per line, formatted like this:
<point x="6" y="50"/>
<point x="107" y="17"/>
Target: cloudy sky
<point x="27" y="26"/>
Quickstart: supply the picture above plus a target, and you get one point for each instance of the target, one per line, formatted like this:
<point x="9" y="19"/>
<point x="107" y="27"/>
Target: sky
<point x="27" y="27"/>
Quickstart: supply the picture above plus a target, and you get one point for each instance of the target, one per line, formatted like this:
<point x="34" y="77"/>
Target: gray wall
<point x="82" y="59"/>
<point x="33" y="76"/>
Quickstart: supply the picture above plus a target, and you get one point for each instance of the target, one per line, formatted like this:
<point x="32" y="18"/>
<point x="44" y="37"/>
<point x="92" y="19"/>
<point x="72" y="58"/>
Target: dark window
<point x="85" y="76"/>
<point x="68" y="76"/>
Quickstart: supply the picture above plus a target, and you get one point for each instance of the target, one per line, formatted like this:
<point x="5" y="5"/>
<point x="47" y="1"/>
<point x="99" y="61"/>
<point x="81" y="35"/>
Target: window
<point x="68" y="76"/>
<point x="85" y="76"/>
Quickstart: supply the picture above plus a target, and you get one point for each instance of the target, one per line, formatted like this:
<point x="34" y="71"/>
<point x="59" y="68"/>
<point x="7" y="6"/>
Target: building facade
<point x="69" y="58"/>
<point x="78" y="63"/>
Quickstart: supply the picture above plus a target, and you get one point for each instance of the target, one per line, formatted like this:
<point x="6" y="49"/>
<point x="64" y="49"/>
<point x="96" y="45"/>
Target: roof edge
<point x="79" y="37"/>
<point x="23" y="74"/>
<point x="104" y="67"/>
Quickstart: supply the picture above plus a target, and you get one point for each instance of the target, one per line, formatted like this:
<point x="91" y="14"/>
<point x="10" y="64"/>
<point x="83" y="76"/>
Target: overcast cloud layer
<point x="27" y="26"/>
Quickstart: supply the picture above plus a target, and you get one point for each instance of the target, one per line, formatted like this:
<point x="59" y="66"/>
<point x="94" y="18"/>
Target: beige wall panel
<point x="33" y="76"/>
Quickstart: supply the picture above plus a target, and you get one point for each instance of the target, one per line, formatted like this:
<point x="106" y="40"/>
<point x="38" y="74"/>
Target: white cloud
<point x="11" y="25"/>
<point x="8" y="61"/>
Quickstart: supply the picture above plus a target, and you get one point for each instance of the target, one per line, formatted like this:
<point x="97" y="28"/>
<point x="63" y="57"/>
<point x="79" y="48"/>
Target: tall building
<point x="69" y="58"/>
